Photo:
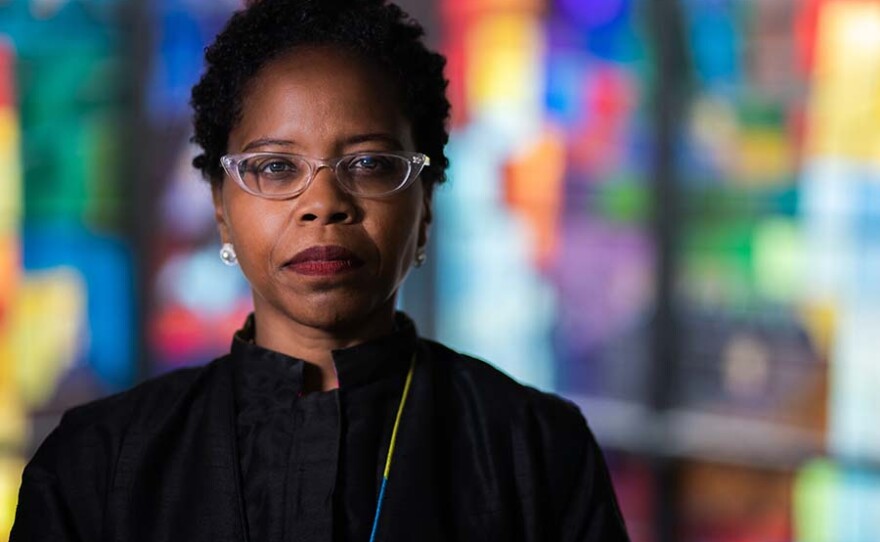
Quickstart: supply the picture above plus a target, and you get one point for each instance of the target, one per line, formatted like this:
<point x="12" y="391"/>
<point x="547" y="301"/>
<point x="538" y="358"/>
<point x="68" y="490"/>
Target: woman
<point x="323" y="125"/>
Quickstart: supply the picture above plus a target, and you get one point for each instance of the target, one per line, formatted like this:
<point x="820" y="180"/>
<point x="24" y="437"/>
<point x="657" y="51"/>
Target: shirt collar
<point x="355" y="366"/>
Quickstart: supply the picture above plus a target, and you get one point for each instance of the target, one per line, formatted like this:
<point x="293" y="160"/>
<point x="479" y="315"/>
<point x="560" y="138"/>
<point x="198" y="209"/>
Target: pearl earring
<point x="421" y="256"/>
<point x="227" y="254"/>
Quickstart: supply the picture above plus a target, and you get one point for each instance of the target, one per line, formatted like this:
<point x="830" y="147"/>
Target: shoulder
<point x="72" y="471"/>
<point x="541" y="438"/>
<point x="149" y="400"/>
<point x="478" y="384"/>
<point x="103" y="424"/>
<point x="551" y="460"/>
<point x="88" y="438"/>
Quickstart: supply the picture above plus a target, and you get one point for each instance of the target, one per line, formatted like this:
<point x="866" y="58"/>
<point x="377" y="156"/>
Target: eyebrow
<point x="365" y="138"/>
<point x="353" y="140"/>
<point x="263" y="142"/>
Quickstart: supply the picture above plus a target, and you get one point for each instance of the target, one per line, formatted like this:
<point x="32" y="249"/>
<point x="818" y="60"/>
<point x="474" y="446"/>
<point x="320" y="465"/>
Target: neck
<point x="314" y="344"/>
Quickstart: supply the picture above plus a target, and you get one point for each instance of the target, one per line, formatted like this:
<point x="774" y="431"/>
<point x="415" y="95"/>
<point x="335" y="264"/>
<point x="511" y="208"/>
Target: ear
<point x="220" y="212"/>
<point x="427" y="218"/>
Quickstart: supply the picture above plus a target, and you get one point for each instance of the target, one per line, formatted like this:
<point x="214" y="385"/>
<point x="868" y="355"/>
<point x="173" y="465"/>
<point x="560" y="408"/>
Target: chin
<point x="345" y="315"/>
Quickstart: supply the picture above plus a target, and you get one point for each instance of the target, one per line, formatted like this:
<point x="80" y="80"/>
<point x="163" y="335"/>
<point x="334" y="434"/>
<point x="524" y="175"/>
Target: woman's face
<point x="323" y="259"/>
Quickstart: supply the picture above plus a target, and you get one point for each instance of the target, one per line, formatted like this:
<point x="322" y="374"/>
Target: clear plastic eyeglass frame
<point x="415" y="162"/>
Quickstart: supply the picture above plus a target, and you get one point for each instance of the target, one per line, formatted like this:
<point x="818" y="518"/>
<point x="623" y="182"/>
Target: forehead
<point x="320" y="91"/>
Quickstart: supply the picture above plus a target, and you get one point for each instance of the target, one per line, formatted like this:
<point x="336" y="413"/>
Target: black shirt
<point x="312" y="462"/>
<point x="230" y="452"/>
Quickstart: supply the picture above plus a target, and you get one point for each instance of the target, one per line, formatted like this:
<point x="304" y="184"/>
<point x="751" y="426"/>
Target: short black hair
<point x="374" y="29"/>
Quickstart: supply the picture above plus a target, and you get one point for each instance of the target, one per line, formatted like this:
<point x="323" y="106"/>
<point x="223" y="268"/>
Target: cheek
<point x="399" y="237"/>
<point x="254" y="228"/>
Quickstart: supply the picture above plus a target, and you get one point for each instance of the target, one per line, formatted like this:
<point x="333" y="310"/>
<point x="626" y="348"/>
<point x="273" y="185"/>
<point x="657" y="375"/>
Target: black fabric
<point x="225" y="453"/>
<point x="292" y="445"/>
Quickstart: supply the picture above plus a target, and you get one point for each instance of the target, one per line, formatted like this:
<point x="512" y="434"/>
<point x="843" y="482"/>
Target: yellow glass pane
<point x="844" y="110"/>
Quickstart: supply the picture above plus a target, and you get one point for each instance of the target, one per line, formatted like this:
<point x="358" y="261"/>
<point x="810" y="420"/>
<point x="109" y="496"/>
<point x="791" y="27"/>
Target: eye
<point x="276" y="166"/>
<point x="371" y="164"/>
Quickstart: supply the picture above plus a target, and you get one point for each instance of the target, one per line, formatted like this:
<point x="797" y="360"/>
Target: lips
<point x="324" y="261"/>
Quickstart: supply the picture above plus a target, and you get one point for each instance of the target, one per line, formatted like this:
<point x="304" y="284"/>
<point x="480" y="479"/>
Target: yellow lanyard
<point x="387" y="473"/>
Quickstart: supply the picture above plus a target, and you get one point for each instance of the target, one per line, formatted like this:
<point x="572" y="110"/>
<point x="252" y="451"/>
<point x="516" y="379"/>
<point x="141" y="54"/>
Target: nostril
<point x="334" y="218"/>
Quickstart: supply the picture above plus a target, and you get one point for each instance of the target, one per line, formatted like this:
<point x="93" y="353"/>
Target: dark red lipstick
<point x="324" y="261"/>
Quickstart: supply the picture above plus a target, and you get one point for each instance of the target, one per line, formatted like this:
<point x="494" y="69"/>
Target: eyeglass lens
<point x="366" y="174"/>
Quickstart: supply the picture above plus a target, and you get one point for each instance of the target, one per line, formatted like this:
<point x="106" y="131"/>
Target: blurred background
<point x="667" y="211"/>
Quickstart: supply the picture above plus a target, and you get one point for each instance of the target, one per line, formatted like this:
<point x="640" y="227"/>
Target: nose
<point x="324" y="201"/>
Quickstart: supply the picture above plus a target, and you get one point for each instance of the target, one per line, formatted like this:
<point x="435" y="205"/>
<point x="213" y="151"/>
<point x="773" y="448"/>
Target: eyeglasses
<point x="276" y="175"/>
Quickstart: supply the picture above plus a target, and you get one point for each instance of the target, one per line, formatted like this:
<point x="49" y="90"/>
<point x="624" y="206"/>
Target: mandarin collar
<point x="355" y="366"/>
